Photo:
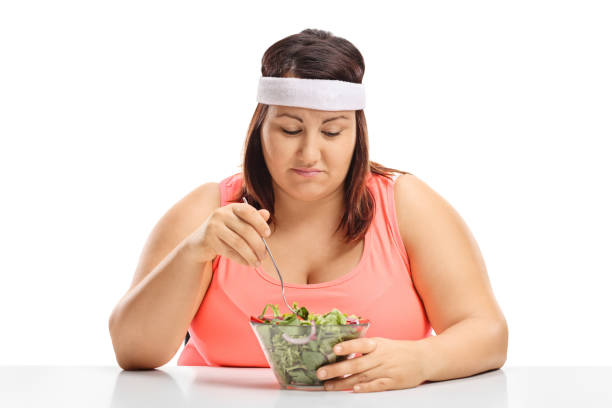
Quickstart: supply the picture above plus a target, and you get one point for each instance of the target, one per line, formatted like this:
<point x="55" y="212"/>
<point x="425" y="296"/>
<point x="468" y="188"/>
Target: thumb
<point x="264" y="213"/>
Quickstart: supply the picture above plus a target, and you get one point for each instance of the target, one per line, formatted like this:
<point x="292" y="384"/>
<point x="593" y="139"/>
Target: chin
<point x="304" y="191"/>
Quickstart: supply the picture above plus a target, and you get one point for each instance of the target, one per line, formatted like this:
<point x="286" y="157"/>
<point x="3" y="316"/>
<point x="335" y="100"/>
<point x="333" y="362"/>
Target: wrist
<point x="427" y="358"/>
<point x="196" y="252"/>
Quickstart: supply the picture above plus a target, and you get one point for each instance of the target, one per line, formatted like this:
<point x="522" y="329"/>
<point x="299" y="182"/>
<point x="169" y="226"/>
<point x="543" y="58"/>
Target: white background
<point x="112" y="111"/>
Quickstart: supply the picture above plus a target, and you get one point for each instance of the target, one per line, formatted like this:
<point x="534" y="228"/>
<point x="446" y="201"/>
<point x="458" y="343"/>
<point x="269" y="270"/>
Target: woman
<point x="343" y="231"/>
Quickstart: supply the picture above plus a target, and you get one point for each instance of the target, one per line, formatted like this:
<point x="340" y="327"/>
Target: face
<point x="300" y="138"/>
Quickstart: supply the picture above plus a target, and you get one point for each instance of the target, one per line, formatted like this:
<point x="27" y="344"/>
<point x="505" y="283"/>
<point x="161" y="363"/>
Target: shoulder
<point x="192" y="209"/>
<point x="405" y="186"/>
<point x="206" y="195"/>
<point x="212" y="194"/>
<point x="186" y="214"/>
<point x="418" y="208"/>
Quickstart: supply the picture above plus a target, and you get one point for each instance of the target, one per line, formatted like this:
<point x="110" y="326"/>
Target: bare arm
<point x="470" y="346"/>
<point x="450" y="276"/>
<point x="149" y="323"/>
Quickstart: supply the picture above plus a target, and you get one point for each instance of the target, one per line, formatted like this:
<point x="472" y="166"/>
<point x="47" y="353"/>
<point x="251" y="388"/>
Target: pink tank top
<point x="378" y="288"/>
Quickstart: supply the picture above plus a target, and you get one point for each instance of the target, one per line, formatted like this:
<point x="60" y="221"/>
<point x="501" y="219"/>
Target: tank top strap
<point x="385" y="218"/>
<point x="229" y="188"/>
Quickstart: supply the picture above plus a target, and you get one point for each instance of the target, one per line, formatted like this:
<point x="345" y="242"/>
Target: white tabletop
<point x="174" y="386"/>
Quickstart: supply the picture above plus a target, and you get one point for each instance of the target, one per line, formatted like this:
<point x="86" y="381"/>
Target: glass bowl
<point x="296" y="352"/>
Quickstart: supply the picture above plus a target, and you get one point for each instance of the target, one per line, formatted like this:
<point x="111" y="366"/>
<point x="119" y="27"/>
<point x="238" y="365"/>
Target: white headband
<point x="321" y="94"/>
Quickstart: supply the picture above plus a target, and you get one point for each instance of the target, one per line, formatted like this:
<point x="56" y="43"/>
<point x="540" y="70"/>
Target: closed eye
<point x="298" y="131"/>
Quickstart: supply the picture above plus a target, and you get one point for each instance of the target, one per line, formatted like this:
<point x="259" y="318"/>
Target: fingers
<point x="264" y="213"/>
<point x="353" y="365"/>
<point x="362" y="345"/>
<point x="249" y="235"/>
<point x="235" y="244"/>
<point x="362" y="374"/>
<point x="235" y="231"/>
<point x="223" y="248"/>
<point x="379" y="384"/>
<point x="360" y="379"/>
<point x="253" y="217"/>
<point x="233" y="255"/>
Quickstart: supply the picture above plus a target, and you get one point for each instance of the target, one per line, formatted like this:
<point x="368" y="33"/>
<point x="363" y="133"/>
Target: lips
<point x="307" y="172"/>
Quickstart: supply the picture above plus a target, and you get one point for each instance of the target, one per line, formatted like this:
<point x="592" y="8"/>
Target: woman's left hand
<point x="384" y="364"/>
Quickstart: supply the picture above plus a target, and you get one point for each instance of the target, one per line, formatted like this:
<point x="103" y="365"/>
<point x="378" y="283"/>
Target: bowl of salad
<point x="296" y="345"/>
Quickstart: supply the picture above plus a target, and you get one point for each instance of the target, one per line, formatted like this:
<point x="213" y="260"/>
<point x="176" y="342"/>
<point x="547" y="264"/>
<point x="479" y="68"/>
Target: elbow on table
<point x="503" y="344"/>
<point x="139" y="365"/>
<point x="139" y="357"/>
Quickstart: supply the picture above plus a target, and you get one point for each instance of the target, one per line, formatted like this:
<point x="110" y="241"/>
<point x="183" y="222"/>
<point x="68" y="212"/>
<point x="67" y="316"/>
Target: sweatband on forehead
<point x="321" y="94"/>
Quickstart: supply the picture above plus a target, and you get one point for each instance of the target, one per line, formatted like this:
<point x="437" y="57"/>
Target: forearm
<point x="469" y="347"/>
<point x="149" y="323"/>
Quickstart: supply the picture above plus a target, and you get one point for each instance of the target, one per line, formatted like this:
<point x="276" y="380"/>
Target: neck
<point x="322" y="215"/>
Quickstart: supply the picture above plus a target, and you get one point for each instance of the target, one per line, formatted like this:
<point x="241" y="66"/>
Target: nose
<point x="310" y="150"/>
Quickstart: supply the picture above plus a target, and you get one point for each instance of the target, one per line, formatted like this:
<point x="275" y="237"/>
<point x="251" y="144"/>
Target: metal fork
<point x="275" y="267"/>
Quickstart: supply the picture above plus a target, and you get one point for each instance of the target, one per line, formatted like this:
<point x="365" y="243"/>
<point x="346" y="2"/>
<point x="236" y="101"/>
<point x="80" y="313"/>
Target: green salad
<point x="296" y="345"/>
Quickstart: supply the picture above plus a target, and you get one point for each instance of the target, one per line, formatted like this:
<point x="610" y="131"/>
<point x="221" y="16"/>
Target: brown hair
<point x="314" y="54"/>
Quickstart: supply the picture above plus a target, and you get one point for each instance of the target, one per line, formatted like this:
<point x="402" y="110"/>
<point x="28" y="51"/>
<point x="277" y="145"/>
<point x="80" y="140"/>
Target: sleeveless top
<point x="379" y="288"/>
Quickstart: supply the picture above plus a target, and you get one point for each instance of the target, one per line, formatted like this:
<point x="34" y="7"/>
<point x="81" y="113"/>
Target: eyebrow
<point x="325" y="121"/>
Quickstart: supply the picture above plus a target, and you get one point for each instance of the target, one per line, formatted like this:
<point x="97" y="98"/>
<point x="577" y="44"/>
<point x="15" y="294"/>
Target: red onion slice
<point x="303" y="340"/>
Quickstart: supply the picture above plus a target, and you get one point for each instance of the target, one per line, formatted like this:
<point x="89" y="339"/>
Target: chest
<point x="303" y="260"/>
